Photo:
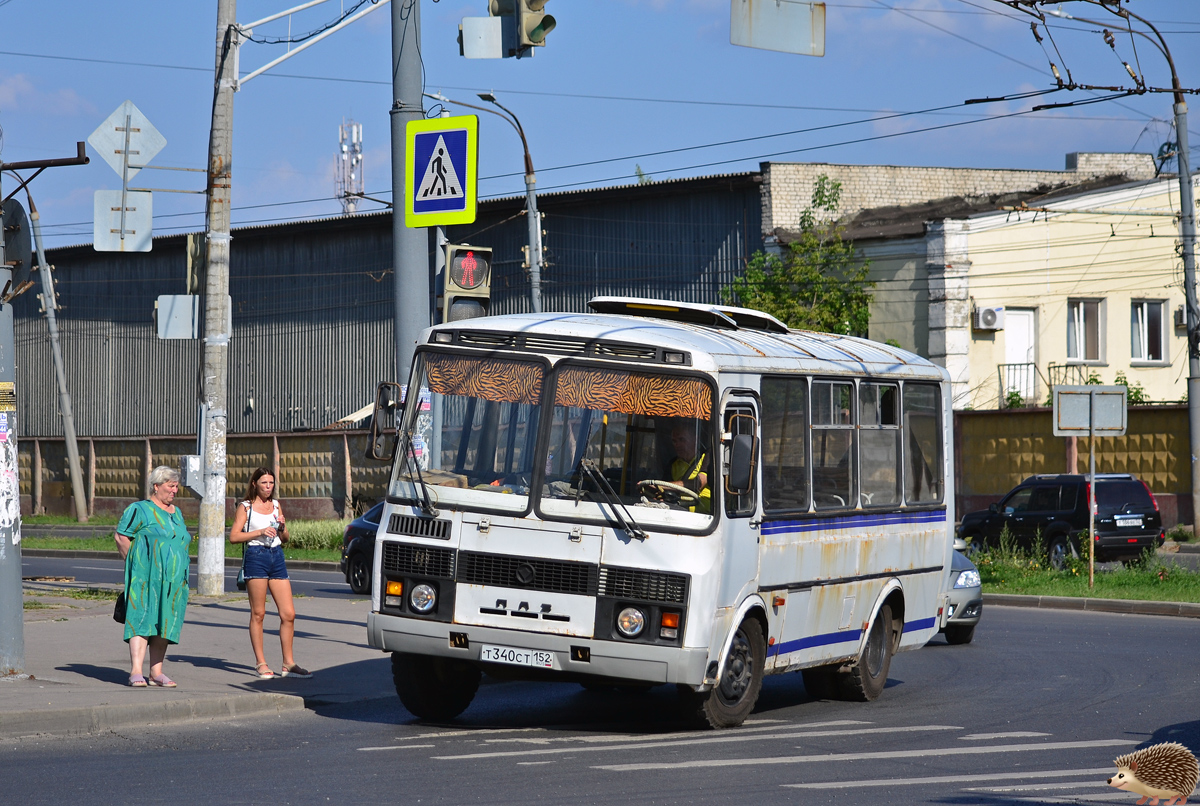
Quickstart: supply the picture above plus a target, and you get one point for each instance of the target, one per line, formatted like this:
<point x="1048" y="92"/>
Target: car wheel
<point x="358" y="573"/>
<point x="865" y="679"/>
<point x="1058" y="551"/>
<point x="730" y="701"/>
<point x="959" y="633"/>
<point x="434" y="688"/>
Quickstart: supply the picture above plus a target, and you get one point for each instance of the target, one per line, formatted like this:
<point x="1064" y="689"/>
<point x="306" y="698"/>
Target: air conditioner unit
<point x="989" y="319"/>
<point x="1180" y="318"/>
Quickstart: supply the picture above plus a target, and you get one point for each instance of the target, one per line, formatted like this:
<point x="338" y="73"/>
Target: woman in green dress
<point x="154" y="543"/>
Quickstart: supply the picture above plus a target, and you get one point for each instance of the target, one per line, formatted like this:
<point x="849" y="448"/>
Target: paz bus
<point x="658" y="492"/>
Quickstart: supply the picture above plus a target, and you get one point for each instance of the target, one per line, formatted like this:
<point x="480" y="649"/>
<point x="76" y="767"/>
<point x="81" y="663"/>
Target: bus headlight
<point x="423" y="598"/>
<point x="630" y="622"/>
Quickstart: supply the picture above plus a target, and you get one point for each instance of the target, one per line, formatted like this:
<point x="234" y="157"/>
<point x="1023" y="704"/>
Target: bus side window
<point x="879" y="443"/>
<point x="741" y="420"/>
<point x="923" y="466"/>
<point x="784" y="444"/>
<point x="833" y="437"/>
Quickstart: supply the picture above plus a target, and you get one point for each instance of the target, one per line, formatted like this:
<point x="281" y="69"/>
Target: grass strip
<point x="107" y="544"/>
<point x="1006" y="569"/>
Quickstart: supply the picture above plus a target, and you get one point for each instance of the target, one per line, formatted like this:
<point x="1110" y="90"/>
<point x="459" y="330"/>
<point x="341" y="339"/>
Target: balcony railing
<point x="1068" y="374"/>
<point x="1018" y="379"/>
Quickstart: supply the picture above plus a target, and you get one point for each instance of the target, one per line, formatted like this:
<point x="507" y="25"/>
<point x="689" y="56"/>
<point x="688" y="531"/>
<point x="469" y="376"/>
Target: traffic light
<point x="468" y="282"/>
<point x="533" y="23"/>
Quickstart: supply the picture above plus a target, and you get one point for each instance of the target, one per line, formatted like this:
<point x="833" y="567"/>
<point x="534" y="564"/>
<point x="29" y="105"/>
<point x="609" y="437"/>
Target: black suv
<point x="1054" y="511"/>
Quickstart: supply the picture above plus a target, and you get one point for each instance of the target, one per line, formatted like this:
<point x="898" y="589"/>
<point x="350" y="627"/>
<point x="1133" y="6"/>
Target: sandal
<point x="137" y="681"/>
<point x="264" y="672"/>
<point x="162" y="681"/>
<point x="295" y="670"/>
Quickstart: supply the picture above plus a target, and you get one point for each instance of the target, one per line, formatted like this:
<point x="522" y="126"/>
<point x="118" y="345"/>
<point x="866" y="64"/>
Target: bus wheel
<point x="732" y="699"/>
<point x="864" y="680"/>
<point x="434" y="688"/>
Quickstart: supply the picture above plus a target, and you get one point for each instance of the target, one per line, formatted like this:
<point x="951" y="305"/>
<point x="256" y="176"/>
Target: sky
<point x="622" y="86"/>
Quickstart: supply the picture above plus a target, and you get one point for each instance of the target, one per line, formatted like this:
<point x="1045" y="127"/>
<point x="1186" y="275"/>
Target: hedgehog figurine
<point x="1166" y="770"/>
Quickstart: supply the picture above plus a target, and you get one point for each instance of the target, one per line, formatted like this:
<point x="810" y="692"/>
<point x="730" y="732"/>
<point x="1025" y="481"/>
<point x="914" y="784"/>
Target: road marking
<point x="685" y="734"/>
<point x="534" y="763"/>
<point x="1079" y="799"/>
<point x="482" y="732"/>
<point x="791" y="736"/>
<point x="1014" y="734"/>
<point x="1035" y="787"/>
<point x="934" y="752"/>
<point x="947" y="779"/>
<point x="396" y="747"/>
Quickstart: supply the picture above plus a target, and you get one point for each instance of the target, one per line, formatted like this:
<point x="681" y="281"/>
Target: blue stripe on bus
<point x="853" y="521"/>
<point x="814" y="640"/>
<point x="838" y="638"/>
<point x="921" y="624"/>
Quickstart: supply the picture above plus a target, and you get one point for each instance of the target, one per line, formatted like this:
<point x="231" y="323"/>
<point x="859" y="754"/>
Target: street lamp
<point x="531" y="211"/>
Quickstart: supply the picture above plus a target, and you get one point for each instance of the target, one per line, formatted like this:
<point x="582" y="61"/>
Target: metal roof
<point x="713" y="348"/>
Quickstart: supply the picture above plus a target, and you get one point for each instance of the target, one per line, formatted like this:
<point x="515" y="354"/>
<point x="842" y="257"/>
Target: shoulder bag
<point x="241" y="577"/>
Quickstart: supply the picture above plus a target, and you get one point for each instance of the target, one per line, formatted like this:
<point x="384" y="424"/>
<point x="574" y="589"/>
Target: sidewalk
<point x="77" y="665"/>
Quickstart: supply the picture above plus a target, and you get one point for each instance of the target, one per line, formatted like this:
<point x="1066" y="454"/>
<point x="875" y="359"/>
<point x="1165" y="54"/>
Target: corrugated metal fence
<point x="313" y="303"/>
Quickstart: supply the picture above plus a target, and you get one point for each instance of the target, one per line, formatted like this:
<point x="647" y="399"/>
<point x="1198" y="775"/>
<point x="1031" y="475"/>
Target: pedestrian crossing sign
<point x="442" y="155"/>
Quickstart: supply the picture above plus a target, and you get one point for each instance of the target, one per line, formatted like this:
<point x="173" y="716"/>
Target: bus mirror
<point x="383" y="420"/>
<point x="741" y="463"/>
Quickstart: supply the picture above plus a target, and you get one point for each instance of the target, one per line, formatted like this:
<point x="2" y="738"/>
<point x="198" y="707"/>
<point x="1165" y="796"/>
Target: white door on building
<point x="1020" y="352"/>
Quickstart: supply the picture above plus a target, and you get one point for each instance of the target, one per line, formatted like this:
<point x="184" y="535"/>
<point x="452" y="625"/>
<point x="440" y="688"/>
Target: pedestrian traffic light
<point x="468" y="282"/>
<point x="533" y="23"/>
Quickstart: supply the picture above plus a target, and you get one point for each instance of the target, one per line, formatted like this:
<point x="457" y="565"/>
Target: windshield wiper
<point x="413" y="463"/>
<point x="620" y="512"/>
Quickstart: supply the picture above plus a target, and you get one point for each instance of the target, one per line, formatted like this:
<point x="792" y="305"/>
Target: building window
<point x="1146" y="330"/>
<point x="1084" y="330"/>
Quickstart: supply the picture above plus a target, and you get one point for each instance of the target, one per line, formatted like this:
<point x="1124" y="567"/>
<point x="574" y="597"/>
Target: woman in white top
<point x="259" y="523"/>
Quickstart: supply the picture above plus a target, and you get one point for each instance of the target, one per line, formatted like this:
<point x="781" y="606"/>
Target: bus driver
<point x="689" y="469"/>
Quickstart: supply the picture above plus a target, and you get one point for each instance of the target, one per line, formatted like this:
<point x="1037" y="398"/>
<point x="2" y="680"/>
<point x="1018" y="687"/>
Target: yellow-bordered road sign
<point x="442" y="156"/>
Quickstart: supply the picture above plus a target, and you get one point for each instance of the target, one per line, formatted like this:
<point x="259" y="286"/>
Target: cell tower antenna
<point x="349" y="169"/>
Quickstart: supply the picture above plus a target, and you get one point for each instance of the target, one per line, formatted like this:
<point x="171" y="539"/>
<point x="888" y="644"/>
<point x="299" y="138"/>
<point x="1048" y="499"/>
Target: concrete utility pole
<point x="215" y="368"/>
<point x="50" y="305"/>
<point x="410" y="246"/>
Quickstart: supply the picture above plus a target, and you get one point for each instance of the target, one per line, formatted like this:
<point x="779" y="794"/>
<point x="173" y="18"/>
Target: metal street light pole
<point x="535" y="222"/>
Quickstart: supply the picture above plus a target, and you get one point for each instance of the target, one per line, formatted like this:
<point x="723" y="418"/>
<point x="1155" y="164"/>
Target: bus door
<point x="742" y="518"/>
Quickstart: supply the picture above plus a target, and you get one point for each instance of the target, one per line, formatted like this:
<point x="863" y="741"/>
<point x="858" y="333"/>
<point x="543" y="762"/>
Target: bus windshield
<point x="471" y="440"/>
<point x="641" y="439"/>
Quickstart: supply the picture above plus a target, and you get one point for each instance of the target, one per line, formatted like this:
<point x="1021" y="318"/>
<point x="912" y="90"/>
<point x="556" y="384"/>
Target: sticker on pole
<point x="440" y="171"/>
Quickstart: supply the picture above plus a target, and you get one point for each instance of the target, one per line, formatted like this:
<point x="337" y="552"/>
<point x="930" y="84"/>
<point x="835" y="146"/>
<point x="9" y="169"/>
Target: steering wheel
<point x="669" y="489"/>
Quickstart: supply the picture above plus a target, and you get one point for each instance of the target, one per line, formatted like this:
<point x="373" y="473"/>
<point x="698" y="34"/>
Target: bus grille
<point x="401" y="558"/>
<point x="419" y="527"/>
<point x="636" y="583"/>
<point x="554" y="576"/>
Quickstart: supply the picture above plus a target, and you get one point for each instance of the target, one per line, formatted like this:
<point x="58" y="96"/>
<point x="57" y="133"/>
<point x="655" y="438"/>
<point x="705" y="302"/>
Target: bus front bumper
<point x="613" y="659"/>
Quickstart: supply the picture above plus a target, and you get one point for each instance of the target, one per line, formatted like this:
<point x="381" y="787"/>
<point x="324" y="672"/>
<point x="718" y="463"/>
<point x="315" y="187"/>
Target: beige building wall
<point x="1115" y="247"/>
<point x="899" y="310"/>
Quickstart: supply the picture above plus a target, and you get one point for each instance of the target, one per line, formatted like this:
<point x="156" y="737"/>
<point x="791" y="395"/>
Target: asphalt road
<point x="112" y="572"/>
<point x="1034" y="710"/>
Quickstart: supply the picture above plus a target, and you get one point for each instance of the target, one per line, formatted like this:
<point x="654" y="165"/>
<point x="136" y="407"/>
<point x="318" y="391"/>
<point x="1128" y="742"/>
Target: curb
<point x="99" y="718"/>
<point x="230" y="562"/>
<point x="1133" y="606"/>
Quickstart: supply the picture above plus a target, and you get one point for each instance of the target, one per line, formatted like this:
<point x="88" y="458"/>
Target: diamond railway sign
<point x="442" y="156"/>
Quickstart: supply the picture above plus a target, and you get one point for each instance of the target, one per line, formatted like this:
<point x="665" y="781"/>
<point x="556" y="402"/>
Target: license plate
<point x="1130" y="522"/>
<point x="517" y="657"/>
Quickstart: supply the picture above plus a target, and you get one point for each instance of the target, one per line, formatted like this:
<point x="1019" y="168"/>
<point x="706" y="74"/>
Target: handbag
<point x="119" y="609"/>
<point x="241" y="577"/>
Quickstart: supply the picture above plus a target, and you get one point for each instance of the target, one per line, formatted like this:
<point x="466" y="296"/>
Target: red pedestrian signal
<point x="468" y="281"/>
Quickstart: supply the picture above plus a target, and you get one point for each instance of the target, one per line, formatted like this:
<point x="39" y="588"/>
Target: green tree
<point x="818" y="283"/>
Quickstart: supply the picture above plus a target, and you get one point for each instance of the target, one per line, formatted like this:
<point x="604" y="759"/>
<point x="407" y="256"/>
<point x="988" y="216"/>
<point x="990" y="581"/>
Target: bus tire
<point x="821" y="682"/>
<point x="730" y="701"/>
<point x="864" y="680"/>
<point x="434" y="688"/>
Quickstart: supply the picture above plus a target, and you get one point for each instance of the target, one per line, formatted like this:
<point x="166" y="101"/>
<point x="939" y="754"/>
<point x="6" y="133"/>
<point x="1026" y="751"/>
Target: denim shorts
<point x="265" y="563"/>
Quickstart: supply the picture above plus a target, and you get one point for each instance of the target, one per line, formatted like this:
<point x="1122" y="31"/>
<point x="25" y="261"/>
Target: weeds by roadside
<point x="1007" y="568"/>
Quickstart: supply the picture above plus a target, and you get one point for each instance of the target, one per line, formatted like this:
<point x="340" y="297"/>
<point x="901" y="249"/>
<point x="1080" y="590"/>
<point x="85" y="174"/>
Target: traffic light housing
<point x="533" y="23"/>
<point x="467" y="287"/>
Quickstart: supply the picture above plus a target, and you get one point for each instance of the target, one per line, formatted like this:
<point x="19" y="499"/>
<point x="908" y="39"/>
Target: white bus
<point x="660" y="492"/>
